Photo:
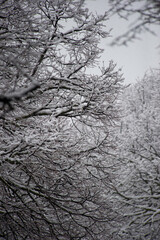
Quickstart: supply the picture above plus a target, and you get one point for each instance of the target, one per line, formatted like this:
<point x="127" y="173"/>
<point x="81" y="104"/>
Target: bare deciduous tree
<point x="139" y="188"/>
<point x="56" y="122"/>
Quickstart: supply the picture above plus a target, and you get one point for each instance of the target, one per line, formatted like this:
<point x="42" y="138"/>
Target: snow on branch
<point x="7" y="98"/>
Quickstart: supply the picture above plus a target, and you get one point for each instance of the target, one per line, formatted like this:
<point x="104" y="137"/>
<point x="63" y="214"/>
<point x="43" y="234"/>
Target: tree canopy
<point x="139" y="154"/>
<point x="56" y="122"/>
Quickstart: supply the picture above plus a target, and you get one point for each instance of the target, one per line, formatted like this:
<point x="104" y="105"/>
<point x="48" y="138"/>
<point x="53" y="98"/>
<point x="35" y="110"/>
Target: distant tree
<point x="139" y="187"/>
<point x="56" y="122"/>
<point x="145" y="13"/>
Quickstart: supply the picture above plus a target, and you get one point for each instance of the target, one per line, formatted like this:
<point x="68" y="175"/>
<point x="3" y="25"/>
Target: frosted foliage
<point x="139" y="137"/>
<point x="56" y="122"/>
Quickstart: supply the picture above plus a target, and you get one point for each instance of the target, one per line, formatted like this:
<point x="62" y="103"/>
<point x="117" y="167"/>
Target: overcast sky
<point x="135" y="59"/>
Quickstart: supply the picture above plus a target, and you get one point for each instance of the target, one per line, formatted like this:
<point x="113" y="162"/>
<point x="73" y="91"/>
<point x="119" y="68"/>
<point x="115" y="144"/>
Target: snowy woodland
<point x="80" y="153"/>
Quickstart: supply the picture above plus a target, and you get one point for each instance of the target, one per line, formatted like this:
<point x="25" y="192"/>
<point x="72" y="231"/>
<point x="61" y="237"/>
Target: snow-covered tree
<point x="138" y="188"/>
<point x="56" y="122"/>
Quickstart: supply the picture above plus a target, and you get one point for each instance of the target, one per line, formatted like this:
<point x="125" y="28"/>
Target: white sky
<point x="135" y="59"/>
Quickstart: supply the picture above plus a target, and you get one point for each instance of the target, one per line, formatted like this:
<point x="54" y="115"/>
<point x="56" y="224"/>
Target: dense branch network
<point x="55" y="121"/>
